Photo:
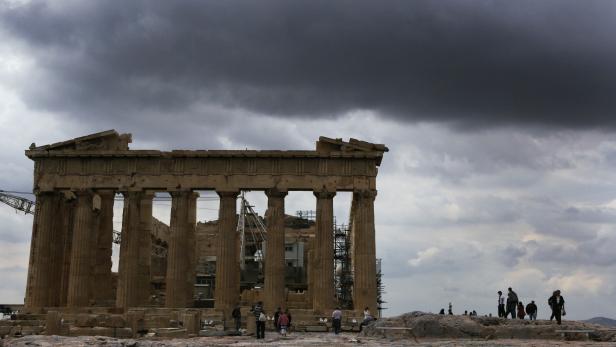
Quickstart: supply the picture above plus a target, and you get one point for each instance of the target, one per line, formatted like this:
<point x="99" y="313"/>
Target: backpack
<point x="262" y="317"/>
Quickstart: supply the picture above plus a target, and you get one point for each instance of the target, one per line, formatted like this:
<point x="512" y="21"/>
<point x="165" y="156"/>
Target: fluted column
<point x="227" y="290"/>
<point x="67" y="223"/>
<point x="180" y="279"/>
<point x="84" y="241"/>
<point x="323" y="283"/>
<point x="135" y="250"/>
<point x="104" y="242"/>
<point x="364" y="264"/>
<point x="59" y="254"/>
<point x="41" y="249"/>
<point x="274" y="251"/>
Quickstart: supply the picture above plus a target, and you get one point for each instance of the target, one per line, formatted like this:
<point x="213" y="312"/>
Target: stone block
<point x="84" y="320"/>
<point x="316" y="328"/>
<point x="170" y="332"/>
<point x="117" y="321"/>
<point x="192" y="322"/>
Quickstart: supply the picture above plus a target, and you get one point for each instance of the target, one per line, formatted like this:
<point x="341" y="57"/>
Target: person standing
<point x="521" y="313"/>
<point x="558" y="306"/>
<point x="367" y="318"/>
<point x="450" y="311"/>
<point x="259" y="314"/>
<point x="276" y="316"/>
<point x="282" y="323"/>
<point x="286" y="311"/>
<point x="336" y="320"/>
<point x="531" y="310"/>
<point x="512" y="303"/>
<point x="501" y="304"/>
<point x="551" y="300"/>
<point x="237" y="317"/>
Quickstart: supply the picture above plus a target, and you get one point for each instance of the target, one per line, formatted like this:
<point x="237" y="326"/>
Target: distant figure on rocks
<point x="237" y="317"/>
<point x="442" y="311"/>
<point x="336" y="320"/>
<point x="557" y="304"/>
<point x="474" y="313"/>
<point x="501" y="304"/>
<point x="531" y="310"/>
<point x="512" y="303"/>
<point x="521" y="312"/>
<point x="465" y="313"/>
<point x="450" y="311"/>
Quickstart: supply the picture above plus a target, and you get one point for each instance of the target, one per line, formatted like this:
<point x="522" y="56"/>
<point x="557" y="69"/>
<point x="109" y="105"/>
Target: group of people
<point x="515" y="308"/>
<point x="282" y="319"/>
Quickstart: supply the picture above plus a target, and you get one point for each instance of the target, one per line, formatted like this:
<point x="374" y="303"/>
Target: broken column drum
<point x="75" y="182"/>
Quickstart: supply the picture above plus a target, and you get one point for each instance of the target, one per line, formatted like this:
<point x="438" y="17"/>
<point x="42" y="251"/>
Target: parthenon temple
<point x="76" y="183"/>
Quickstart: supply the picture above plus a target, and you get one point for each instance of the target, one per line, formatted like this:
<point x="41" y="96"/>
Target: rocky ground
<point x="411" y="329"/>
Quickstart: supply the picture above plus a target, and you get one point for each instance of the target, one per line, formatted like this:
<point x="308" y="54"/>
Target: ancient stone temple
<point x="75" y="183"/>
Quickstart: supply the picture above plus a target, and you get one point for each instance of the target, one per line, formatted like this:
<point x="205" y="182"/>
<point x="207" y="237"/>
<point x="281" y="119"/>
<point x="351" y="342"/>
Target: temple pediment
<point x="109" y="140"/>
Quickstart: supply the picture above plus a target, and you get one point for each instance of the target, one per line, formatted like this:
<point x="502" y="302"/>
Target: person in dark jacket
<point x="531" y="310"/>
<point x="237" y="317"/>
<point x="557" y="304"/>
<point x="276" y="316"/>
<point x="512" y="303"/>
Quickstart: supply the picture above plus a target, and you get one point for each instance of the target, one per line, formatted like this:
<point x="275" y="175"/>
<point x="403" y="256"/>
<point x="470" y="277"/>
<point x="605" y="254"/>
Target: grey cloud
<point x="471" y="64"/>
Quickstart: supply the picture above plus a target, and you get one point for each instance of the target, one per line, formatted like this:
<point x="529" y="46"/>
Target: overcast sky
<point x="499" y="117"/>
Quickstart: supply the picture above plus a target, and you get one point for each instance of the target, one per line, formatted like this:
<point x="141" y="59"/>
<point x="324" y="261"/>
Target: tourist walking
<point x="276" y="316"/>
<point x="450" y="311"/>
<point x="557" y="304"/>
<point x="512" y="303"/>
<point x="337" y="320"/>
<point x="283" y="323"/>
<point x="501" y="304"/>
<point x="260" y="318"/>
<point x="286" y="311"/>
<point x="237" y="317"/>
<point x="531" y="310"/>
<point x="521" y="312"/>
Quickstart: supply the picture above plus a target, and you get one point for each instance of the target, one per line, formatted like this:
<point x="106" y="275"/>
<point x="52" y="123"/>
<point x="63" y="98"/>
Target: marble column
<point x="364" y="262"/>
<point x="67" y="221"/>
<point x="103" y="292"/>
<point x="180" y="279"/>
<point x="274" y="251"/>
<point x="227" y="290"/>
<point x="84" y="241"/>
<point x="323" y="284"/>
<point x="135" y="250"/>
<point x="59" y="254"/>
<point x="41" y="249"/>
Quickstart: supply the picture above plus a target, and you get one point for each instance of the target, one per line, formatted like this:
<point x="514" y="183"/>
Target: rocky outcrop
<point x="422" y="324"/>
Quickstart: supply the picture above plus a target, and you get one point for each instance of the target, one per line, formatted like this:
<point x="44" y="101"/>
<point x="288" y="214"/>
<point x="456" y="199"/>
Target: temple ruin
<point x="76" y="182"/>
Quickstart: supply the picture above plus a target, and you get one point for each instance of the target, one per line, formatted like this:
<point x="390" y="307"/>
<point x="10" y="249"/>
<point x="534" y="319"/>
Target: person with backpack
<point x="260" y="317"/>
<point x="512" y="303"/>
<point x="283" y="323"/>
<point x="531" y="310"/>
<point x="237" y="317"/>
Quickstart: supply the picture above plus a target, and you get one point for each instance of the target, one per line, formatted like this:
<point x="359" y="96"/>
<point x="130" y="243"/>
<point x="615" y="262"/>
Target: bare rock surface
<point x="295" y="339"/>
<point x="420" y="325"/>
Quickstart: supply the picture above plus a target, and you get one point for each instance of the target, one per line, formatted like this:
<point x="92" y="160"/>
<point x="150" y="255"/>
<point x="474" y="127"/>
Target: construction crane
<point x="250" y="224"/>
<point x="17" y="202"/>
<point x="27" y="207"/>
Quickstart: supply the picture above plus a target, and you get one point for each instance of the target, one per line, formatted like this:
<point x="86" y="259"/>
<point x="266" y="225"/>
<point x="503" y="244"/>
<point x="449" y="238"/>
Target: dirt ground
<point x="273" y="339"/>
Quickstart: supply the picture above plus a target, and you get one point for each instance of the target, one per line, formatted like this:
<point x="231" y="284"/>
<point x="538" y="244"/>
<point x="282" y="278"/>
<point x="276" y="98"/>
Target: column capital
<point x="366" y="194"/>
<point x="324" y="194"/>
<point x="179" y="193"/>
<point x="275" y="193"/>
<point x="228" y="193"/>
<point x="105" y="192"/>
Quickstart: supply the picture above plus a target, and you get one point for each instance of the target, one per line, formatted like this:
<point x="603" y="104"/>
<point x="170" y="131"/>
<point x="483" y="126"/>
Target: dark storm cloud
<point x="469" y="63"/>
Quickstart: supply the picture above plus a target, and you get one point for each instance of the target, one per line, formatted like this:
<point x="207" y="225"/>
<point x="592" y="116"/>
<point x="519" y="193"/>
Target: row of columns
<point x="70" y="258"/>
